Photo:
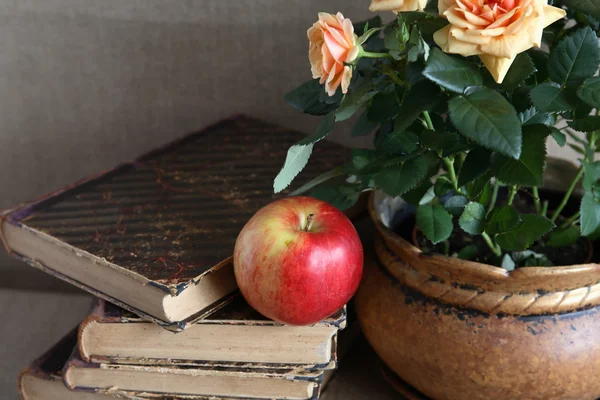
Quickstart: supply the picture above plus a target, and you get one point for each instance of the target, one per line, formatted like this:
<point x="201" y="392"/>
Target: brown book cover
<point x="155" y="235"/>
<point x="151" y="381"/>
<point x="236" y="336"/>
<point x="44" y="380"/>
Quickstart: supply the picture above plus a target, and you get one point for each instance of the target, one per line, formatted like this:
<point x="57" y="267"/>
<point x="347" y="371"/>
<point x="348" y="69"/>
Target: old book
<point x="234" y="336"/>
<point x="191" y="382"/>
<point x="43" y="380"/>
<point x="155" y="235"/>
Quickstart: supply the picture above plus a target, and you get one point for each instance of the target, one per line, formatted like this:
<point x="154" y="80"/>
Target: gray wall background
<point x="85" y="84"/>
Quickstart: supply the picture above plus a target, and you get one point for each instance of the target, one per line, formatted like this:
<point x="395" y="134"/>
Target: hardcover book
<point x="191" y="382"/>
<point x="44" y="380"/>
<point x="155" y="235"/>
<point x="235" y="336"/>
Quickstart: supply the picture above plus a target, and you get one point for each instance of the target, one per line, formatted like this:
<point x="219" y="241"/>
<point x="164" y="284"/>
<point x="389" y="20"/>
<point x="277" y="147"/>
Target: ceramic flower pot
<point x="457" y="330"/>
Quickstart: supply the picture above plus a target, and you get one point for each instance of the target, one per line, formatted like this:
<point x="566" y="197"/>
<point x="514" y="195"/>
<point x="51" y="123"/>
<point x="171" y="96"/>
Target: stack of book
<point x="153" y="239"/>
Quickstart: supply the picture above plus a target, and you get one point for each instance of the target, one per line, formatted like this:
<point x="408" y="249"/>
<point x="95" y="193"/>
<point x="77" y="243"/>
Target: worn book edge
<point x="99" y="315"/>
<point x="298" y="374"/>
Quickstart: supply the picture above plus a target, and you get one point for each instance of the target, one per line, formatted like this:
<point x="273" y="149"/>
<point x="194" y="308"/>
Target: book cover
<point x="155" y="235"/>
<point x="236" y="336"/>
<point x="151" y="381"/>
<point x="43" y="379"/>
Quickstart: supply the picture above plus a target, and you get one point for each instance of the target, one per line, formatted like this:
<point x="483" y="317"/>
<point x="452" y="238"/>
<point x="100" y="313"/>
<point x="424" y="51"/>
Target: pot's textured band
<point x="443" y="287"/>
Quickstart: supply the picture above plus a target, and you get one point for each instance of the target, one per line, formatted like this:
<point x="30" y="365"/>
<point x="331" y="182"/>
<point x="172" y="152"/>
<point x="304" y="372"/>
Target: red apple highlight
<point x="298" y="260"/>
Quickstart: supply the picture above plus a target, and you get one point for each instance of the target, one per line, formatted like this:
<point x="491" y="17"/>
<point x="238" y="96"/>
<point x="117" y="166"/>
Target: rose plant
<point x="461" y="96"/>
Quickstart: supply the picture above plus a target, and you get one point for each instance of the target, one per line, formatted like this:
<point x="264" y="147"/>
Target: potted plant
<point x="482" y="286"/>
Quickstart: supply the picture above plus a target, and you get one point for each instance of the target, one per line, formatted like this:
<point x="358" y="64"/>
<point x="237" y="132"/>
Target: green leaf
<point x="529" y="168"/>
<point x="434" y="222"/>
<point x="590" y="92"/>
<point x="340" y="196"/>
<point x="415" y="195"/>
<point x="591" y="7"/>
<point x="587" y="124"/>
<point x="476" y="164"/>
<point x="520" y="237"/>
<point x="564" y="237"/>
<point x="295" y="161"/>
<point x="421" y="97"/>
<point x="456" y="204"/>
<point x="363" y="126"/>
<point x="487" y="118"/>
<point x="531" y="116"/>
<point x="472" y="219"/>
<point x="590" y="214"/>
<point x="468" y="252"/>
<point x="591" y="175"/>
<point x="354" y="100"/>
<point x="442" y="186"/>
<point x="477" y="187"/>
<point x="559" y="137"/>
<point x="363" y="26"/>
<point x="575" y="57"/>
<point x="521" y="69"/>
<point x="362" y="157"/>
<point x="508" y="263"/>
<point x="550" y="97"/>
<point x="398" y="142"/>
<point x="305" y="98"/>
<point x="501" y="220"/>
<point x="453" y="73"/>
<point x="446" y="141"/>
<point x="323" y="129"/>
<point x="396" y="180"/>
<point x="384" y="105"/>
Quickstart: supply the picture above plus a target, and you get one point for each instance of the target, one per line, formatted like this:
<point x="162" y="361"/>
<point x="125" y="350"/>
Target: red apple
<point x="298" y="260"/>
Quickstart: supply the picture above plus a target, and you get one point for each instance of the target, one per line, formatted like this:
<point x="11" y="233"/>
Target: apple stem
<point x="309" y="222"/>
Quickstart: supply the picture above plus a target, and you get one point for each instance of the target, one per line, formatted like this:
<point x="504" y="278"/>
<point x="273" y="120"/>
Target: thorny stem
<point x="567" y="195"/>
<point x="494" y="247"/>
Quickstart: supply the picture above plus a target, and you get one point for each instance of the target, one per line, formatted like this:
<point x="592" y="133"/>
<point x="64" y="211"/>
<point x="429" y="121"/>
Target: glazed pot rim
<point x="396" y="242"/>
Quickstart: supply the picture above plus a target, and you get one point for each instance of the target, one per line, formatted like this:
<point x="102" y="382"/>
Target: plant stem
<point x="368" y="54"/>
<point x="544" y="208"/>
<point x="494" y="197"/>
<point x="451" y="173"/>
<point x="567" y="195"/>
<point x="428" y="120"/>
<point x="494" y="247"/>
<point x="511" y="194"/>
<point x="536" y="199"/>
<point x="334" y="173"/>
<point x="571" y="220"/>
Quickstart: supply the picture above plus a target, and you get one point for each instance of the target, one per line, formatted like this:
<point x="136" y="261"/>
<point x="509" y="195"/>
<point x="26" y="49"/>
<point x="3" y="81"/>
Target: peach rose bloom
<point x="398" y="5"/>
<point x="495" y="30"/>
<point x="332" y="44"/>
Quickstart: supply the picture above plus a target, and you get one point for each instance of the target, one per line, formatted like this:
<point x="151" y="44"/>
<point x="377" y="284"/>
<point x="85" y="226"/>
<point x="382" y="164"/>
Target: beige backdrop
<point x="85" y="84"/>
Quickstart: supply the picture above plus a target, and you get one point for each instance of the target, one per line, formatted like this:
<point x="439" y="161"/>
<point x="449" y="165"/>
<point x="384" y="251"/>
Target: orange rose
<point x="332" y="45"/>
<point x="398" y="5"/>
<point x="495" y="30"/>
